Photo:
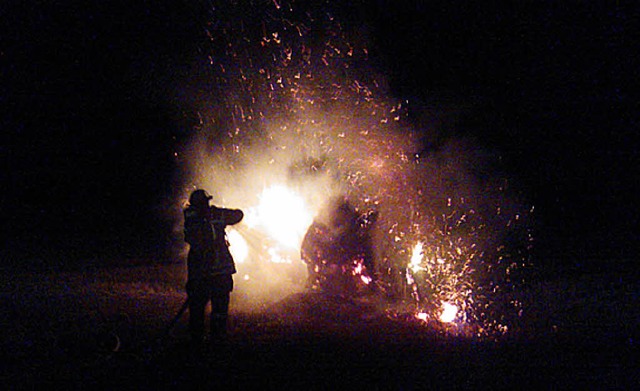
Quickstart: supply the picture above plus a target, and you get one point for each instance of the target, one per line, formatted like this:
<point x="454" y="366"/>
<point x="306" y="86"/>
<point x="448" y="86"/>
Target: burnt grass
<point x="107" y="329"/>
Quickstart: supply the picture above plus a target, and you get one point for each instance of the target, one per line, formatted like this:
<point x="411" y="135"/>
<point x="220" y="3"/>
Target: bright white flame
<point x="237" y="246"/>
<point x="449" y="312"/>
<point x="422" y="316"/>
<point x="416" y="257"/>
<point x="283" y="214"/>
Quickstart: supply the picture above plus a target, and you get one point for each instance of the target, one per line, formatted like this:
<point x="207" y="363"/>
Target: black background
<point x="92" y="113"/>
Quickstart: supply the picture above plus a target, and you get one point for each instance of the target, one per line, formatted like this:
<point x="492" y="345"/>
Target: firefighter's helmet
<point x="199" y="197"/>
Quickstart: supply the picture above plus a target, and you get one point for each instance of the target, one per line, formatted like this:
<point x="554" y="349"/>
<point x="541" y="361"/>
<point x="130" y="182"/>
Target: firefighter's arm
<point x="232" y="216"/>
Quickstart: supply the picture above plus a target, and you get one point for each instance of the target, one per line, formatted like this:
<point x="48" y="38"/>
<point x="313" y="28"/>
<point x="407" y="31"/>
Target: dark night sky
<point x="91" y="113"/>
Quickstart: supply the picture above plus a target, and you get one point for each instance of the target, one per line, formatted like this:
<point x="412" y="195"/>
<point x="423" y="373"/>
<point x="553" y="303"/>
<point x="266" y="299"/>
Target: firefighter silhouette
<point x="209" y="263"/>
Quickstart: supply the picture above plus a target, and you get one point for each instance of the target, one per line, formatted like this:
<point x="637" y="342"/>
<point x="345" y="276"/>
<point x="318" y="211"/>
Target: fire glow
<point x="449" y="313"/>
<point x="272" y="230"/>
<point x="282" y="214"/>
<point x="296" y="116"/>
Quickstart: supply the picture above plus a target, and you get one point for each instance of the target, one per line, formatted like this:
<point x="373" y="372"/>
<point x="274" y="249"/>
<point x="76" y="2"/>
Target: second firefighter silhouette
<point x="209" y="263"/>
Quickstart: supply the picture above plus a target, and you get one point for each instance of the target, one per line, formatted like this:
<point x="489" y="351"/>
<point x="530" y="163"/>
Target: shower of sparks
<point x="291" y="113"/>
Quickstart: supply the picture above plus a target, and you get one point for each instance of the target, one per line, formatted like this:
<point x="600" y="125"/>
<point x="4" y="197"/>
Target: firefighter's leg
<point x="219" y="314"/>
<point x="223" y="285"/>
<point x="198" y="298"/>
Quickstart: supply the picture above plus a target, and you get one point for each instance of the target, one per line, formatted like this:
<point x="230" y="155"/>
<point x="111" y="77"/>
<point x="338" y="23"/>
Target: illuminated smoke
<point x="292" y="114"/>
<point x="238" y="246"/>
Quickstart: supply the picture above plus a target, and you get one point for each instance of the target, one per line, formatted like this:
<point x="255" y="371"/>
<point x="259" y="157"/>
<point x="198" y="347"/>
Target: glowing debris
<point x="449" y="313"/>
<point x="416" y="257"/>
<point x="423" y="316"/>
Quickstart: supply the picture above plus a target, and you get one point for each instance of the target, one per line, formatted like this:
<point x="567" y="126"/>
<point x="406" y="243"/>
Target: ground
<point x="107" y="328"/>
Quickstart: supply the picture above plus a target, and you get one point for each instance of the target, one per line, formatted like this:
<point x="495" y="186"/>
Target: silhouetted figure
<point x="210" y="264"/>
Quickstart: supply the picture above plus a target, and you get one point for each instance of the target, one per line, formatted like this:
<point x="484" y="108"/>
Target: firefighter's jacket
<point x="204" y="230"/>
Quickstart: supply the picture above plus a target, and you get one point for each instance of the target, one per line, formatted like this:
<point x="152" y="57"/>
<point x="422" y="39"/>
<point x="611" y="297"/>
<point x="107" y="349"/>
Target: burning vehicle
<point x="337" y="249"/>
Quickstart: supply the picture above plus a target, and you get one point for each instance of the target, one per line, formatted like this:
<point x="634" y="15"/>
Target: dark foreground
<point x="107" y="330"/>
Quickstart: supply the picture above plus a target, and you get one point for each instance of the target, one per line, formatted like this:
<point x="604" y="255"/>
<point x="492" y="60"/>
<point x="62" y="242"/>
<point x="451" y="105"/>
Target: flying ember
<point x="341" y="186"/>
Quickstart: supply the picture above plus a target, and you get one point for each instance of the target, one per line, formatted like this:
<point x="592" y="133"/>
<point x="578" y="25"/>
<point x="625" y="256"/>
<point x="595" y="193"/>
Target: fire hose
<point x="177" y="317"/>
